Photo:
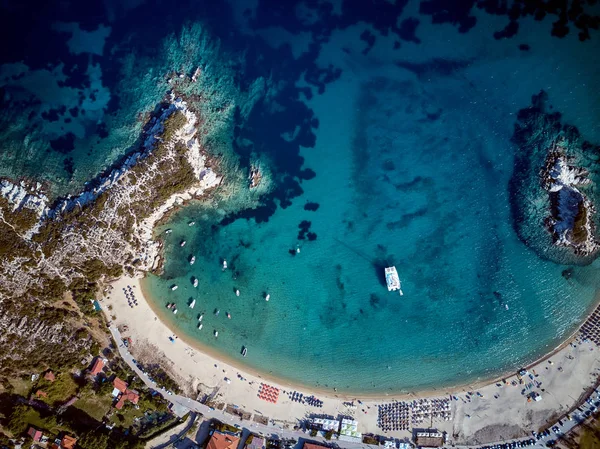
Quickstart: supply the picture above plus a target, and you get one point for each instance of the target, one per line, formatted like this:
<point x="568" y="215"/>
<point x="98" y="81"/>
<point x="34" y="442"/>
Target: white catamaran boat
<point x="392" y="280"/>
<point x="192" y="304"/>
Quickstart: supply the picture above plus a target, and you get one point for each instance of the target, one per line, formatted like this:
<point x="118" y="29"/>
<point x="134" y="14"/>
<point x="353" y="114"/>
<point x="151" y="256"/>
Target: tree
<point x="93" y="440"/>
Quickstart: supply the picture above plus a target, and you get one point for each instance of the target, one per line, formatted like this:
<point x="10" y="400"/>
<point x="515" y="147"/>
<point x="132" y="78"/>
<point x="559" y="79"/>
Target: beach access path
<point x="493" y="411"/>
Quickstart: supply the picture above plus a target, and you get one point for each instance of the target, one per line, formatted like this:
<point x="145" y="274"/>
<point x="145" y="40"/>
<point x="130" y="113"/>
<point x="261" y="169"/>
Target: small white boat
<point x="216" y="333"/>
<point x="267" y="297"/>
<point x="200" y="326"/>
<point x="298" y="250"/>
<point x="217" y="312"/>
<point x="175" y="311"/>
<point x="192" y="304"/>
<point x="195" y="283"/>
<point x="168" y="231"/>
<point x="174" y="287"/>
<point x="191" y="223"/>
<point x="237" y="293"/>
<point x="200" y="317"/>
<point x="182" y="243"/>
<point x="506" y="306"/>
<point x="224" y="264"/>
<point x="244" y="351"/>
<point x="392" y="280"/>
<point x="228" y="315"/>
<point x="192" y="260"/>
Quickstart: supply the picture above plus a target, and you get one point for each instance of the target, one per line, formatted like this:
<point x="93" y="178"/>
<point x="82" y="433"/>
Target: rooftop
<point x="97" y="366"/>
<point x="220" y="440"/>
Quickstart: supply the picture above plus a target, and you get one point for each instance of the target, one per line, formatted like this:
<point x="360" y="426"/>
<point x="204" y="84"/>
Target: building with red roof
<point x="68" y="442"/>
<point x="41" y="394"/>
<point x="120" y="385"/>
<point x="35" y="434"/>
<point x="129" y="395"/>
<point x="312" y="446"/>
<point x="97" y="366"/>
<point x="49" y="376"/>
<point x="220" y="440"/>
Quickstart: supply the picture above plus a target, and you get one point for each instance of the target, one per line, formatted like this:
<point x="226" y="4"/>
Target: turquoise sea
<point x="388" y="133"/>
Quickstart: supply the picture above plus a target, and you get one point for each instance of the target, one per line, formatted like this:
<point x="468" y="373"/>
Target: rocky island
<point x="552" y="186"/>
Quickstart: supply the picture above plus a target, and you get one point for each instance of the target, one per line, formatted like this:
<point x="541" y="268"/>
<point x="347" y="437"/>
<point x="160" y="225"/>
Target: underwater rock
<point x="551" y="187"/>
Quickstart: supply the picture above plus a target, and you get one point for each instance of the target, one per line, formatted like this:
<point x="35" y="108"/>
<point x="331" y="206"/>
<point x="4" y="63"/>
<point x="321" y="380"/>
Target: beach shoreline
<point x="349" y="396"/>
<point x="205" y="372"/>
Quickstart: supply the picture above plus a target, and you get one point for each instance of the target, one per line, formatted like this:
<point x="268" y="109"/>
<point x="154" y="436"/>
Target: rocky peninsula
<point x="552" y="186"/>
<point x="104" y="231"/>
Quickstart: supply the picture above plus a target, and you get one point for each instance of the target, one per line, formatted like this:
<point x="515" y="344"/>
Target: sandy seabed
<point x="501" y="412"/>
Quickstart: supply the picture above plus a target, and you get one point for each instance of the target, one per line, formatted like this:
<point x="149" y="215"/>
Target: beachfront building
<point x="220" y="440"/>
<point x="429" y="438"/>
<point x="255" y="442"/>
<point x="349" y="431"/>
<point x="325" y="424"/>
<point x="313" y="446"/>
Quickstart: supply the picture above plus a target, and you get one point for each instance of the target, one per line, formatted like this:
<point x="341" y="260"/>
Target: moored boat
<point x="195" y="282"/>
<point x="192" y="304"/>
<point x="192" y="260"/>
<point x="183" y="242"/>
<point x="228" y="315"/>
<point x="175" y="311"/>
<point x="191" y="223"/>
<point x="174" y="287"/>
<point x="392" y="280"/>
<point x="216" y="333"/>
<point x="267" y="297"/>
<point x="244" y="351"/>
<point x="237" y="293"/>
<point x="224" y="264"/>
<point x="217" y="312"/>
<point x="200" y="326"/>
<point x="200" y="317"/>
<point x="168" y="231"/>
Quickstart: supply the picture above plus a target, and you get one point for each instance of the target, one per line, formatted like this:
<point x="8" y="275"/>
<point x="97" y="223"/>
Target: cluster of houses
<point x="120" y="391"/>
<point x="64" y="442"/>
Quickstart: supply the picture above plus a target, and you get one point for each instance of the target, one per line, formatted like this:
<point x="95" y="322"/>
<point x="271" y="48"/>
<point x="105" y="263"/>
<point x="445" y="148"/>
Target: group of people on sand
<point x="401" y="415"/>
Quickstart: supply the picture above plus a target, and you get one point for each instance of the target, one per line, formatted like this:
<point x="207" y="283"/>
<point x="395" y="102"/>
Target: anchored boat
<point x="192" y="304"/>
<point x="182" y="243"/>
<point x="192" y="260"/>
<point x="244" y="351"/>
<point x="195" y="283"/>
<point x="392" y="280"/>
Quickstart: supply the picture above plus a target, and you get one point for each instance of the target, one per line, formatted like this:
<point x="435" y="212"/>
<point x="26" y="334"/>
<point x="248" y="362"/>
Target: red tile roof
<point x="129" y="395"/>
<point x="68" y="442"/>
<point x="50" y="376"/>
<point x="97" y="366"/>
<point x="120" y="384"/>
<point x="35" y="434"/>
<point x="41" y="393"/>
<point x="312" y="446"/>
<point x="220" y="440"/>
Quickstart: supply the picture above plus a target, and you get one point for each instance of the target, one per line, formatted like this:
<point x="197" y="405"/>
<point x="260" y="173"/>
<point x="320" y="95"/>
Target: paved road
<point x="578" y="416"/>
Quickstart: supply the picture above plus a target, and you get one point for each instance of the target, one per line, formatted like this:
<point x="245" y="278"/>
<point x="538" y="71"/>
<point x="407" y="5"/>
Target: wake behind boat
<point x="392" y="280"/>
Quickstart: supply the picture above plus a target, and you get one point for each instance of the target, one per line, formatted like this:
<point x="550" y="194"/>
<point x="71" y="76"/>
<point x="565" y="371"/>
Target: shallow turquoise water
<point x="412" y="172"/>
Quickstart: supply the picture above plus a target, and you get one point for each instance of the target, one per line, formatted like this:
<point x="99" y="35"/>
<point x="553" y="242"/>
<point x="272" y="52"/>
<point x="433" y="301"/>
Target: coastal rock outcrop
<point x="108" y="225"/>
<point x="552" y="187"/>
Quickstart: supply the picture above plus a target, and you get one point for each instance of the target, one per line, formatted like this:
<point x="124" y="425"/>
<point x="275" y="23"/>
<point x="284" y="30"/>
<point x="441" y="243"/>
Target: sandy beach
<point x="493" y="411"/>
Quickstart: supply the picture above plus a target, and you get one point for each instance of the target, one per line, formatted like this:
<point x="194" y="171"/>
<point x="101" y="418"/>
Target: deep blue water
<point x="388" y="132"/>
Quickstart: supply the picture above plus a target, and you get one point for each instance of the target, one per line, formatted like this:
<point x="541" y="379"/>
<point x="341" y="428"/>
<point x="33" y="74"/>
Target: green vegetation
<point x="172" y="124"/>
<point x="59" y="391"/>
